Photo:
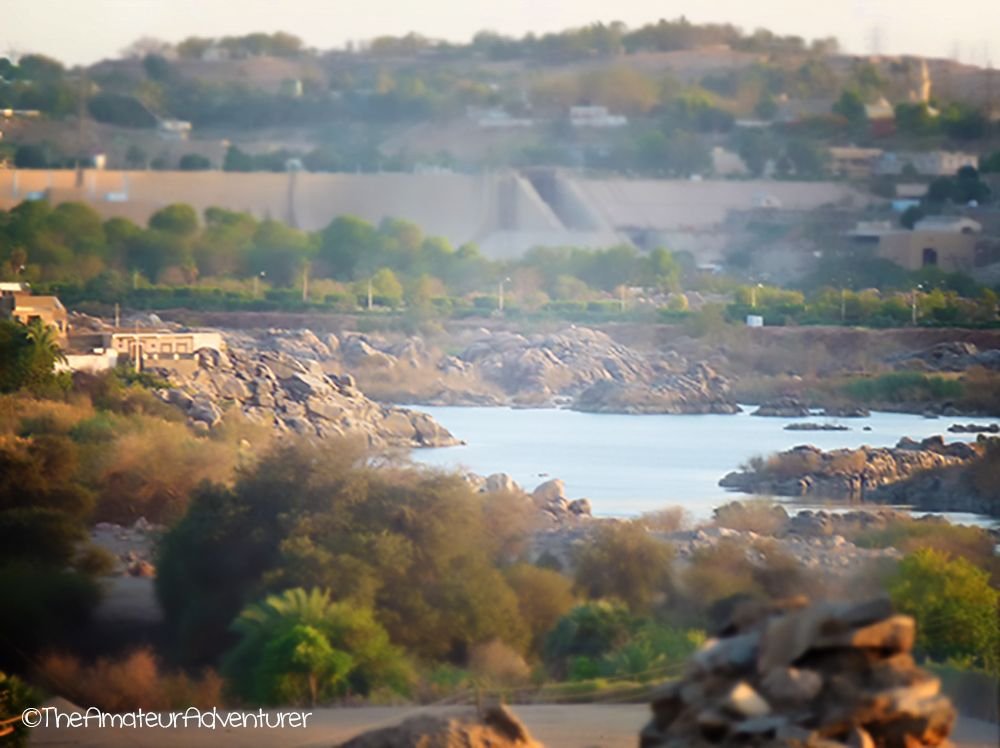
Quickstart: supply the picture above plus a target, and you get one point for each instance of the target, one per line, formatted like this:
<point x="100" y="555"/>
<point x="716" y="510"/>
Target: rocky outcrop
<point x="783" y="674"/>
<point x="589" y="369"/>
<point x="950" y="356"/>
<point x="966" y="487"/>
<point x="849" y="473"/>
<point x="974" y="428"/>
<point x="846" y="411"/>
<point x="815" y="540"/>
<point x="577" y="366"/>
<point x="294" y="397"/>
<point x="699" y="389"/>
<point x="812" y="426"/>
<point x="498" y="728"/>
<point x="784" y="408"/>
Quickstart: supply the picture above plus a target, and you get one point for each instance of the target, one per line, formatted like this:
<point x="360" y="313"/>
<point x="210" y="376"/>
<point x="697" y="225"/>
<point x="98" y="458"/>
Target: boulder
<point x="500" y="482"/>
<point x="498" y="728"/>
<point x="549" y="491"/>
<point x="825" y="675"/>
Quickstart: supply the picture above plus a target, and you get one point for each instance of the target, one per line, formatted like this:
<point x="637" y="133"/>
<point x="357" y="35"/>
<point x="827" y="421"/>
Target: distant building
<point x="496" y="119"/>
<point x="726" y="163"/>
<point x="595" y="116"/>
<point x="25" y="308"/>
<point x="797" y="110"/>
<point x="929" y="163"/>
<point x="852" y="162"/>
<point x="949" y="224"/>
<point x="162" y="345"/>
<point x="173" y="129"/>
<point x="880" y="110"/>
<point x="951" y="251"/>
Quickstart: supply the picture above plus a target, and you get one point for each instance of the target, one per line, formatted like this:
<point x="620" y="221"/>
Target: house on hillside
<point x="949" y="250"/>
<point x="929" y="163"/>
<point x="595" y="116"/>
<point x="853" y="162"/>
<point x="22" y="306"/>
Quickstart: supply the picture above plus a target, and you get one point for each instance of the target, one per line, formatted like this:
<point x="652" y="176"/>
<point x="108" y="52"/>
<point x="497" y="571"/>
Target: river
<point x="630" y="464"/>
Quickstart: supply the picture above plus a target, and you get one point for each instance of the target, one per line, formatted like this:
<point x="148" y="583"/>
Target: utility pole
<point x="118" y="315"/>
<point x="369" y="294"/>
<point x="843" y="305"/>
<point x="500" y="294"/>
<point x="305" y="282"/>
<point x="623" y="298"/>
<point x="80" y="111"/>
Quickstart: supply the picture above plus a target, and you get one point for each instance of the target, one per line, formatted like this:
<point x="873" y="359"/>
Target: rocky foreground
<point x="867" y="473"/>
<point x="294" y="397"/>
<point x="576" y="367"/>
<point x="831" y="674"/>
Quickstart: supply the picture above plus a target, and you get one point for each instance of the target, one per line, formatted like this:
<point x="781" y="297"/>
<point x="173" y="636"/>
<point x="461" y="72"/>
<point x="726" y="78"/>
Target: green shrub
<point x="903" y="387"/>
<point x="954" y="606"/>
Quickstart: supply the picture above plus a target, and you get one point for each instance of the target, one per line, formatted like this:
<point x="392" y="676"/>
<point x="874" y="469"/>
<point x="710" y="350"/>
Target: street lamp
<point x="913" y="303"/>
<point x="256" y="283"/>
<point x="500" y="294"/>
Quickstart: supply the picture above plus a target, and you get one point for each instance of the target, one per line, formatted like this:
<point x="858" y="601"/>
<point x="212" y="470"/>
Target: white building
<point x="930" y="163"/>
<point x="595" y="116"/>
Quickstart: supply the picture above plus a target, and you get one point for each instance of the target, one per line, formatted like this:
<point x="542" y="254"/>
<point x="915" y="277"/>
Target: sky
<point x="84" y="31"/>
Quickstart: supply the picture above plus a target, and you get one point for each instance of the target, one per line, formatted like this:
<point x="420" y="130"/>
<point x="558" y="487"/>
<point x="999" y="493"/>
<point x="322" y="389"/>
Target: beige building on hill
<point x="949" y="250"/>
<point x="26" y="308"/>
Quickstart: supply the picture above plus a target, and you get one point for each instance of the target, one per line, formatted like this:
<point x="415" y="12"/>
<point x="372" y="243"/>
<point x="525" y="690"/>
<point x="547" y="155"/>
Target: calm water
<point x="628" y="464"/>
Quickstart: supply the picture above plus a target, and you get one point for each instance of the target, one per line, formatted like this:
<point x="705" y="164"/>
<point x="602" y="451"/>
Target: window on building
<point x="930" y="257"/>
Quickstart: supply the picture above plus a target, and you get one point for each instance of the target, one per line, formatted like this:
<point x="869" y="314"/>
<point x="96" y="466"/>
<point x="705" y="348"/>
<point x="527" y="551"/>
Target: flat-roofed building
<point x="26" y="309"/>
<point x="949" y="250"/>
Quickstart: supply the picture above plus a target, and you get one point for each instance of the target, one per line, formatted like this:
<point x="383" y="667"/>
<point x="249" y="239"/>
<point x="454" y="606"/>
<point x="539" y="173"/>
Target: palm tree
<point x="301" y="644"/>
<point x="44" y="340"/>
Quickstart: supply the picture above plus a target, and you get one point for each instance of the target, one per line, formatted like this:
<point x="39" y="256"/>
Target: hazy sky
<point x="79" y="31"/>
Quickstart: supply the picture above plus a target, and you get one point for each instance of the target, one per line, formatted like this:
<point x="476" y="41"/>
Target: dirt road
<point x="556" y="726"/>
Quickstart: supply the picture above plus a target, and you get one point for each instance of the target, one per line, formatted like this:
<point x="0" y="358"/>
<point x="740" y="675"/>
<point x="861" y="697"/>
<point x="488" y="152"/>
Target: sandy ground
<point x="556" y="726"/>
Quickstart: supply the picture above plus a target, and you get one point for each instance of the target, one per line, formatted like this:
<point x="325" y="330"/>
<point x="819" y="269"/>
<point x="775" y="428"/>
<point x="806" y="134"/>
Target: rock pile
<point x="849" y="473"/>
<point x="596" y="374"/>
<point x="549" y="499"/>
<point x="822" y="676"/>
<point x="950" y="356"/>
<point x="787" y="407"/>
<point x="294" y="396"/>
<point x="498" y="728"/>
<point x="576" y="366"/>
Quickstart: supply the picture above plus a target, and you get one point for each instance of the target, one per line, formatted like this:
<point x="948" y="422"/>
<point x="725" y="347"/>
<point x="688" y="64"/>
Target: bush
<point x="301" y="647"/>
<point x="903" y="387"/>
<point x="954" y="606"/>
<point x="414" y="545"/>
<point x="624" y="562"/>
<point x="133" y="681"/>
<point x="15" y="697"/>
<point x="761" y="516"/>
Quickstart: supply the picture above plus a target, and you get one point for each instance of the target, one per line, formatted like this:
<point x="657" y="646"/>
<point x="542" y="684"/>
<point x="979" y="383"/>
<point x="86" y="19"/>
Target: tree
<point x="28" y="355"/>
<point x="624" y="562"/>
<point x="387" y="287"/>
<point x="302" y="646"/>
<point x="851" y="107"/>
<point x="30" y="156"/>
<point x="135" y="157"/>
<point x="415" y="547"/>
<point x="193" y="162"/>
<point x="910" y="216"/>
<point x="237" y="160"/>
<point x="954" y="605"/>
<point x="178" y="219"/>
<point x="543" y="597"/>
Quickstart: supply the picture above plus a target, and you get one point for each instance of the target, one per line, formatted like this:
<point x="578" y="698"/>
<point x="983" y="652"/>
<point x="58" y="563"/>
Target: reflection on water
<point x="627" y="465"/>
